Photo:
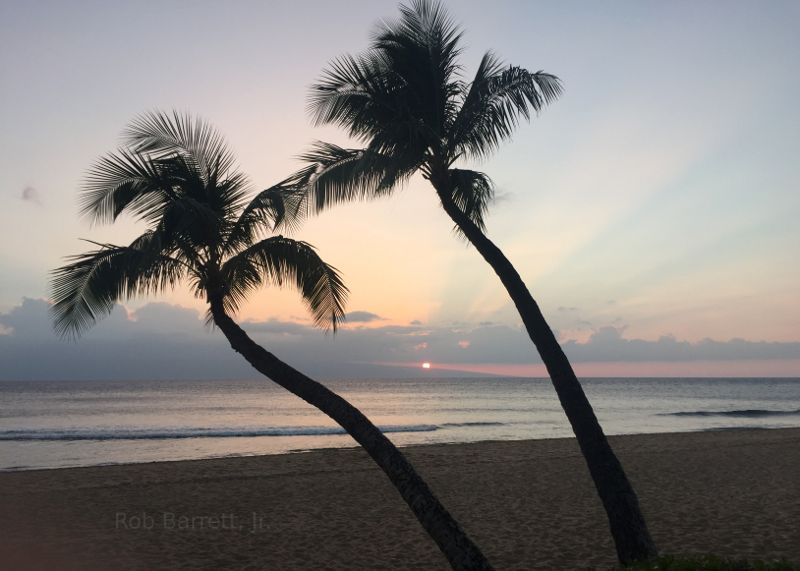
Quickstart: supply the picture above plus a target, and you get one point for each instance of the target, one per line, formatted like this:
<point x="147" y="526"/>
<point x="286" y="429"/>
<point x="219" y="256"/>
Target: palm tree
<point x="405" y="100"/>
<point x="176" y="175"/>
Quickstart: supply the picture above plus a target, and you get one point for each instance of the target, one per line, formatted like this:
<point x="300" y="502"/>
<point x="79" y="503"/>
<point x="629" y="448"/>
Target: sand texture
<point x="529" y="505"/>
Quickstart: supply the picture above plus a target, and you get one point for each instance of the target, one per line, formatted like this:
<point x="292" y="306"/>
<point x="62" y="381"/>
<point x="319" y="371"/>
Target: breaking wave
<point x="745" y="413"/>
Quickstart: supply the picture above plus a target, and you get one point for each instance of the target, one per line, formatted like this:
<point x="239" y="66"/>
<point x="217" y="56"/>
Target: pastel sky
<point x="652" y="210"/>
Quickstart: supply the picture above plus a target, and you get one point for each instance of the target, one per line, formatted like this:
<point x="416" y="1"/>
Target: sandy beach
<point x="529" y="504"/>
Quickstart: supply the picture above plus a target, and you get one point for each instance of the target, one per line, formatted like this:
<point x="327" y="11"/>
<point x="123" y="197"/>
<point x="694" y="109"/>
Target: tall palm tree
<point x="405" y="100"/>
<point x="177" y="176"/>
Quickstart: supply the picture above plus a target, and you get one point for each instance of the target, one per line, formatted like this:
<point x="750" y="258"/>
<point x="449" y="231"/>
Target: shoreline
<point x="528" y="503"/>
<point x="355" y="446"/>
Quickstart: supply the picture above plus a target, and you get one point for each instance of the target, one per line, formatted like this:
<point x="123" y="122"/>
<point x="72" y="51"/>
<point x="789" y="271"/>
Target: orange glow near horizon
<point x="749" y="368"/>
<point x="426" y="365"/>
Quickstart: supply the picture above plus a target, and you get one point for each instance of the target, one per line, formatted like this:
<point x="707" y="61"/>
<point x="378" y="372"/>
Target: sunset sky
<point x="652" y="210"/>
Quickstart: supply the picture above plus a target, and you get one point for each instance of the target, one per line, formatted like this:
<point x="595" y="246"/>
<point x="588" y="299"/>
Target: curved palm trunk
<point x="628" y="527"/>
<point x="457" y="547"/>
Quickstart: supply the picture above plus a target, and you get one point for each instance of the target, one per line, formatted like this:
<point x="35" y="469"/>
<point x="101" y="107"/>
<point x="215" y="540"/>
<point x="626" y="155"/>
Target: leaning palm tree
<point x="405" y="100"/>
<point x="177" y="176"/>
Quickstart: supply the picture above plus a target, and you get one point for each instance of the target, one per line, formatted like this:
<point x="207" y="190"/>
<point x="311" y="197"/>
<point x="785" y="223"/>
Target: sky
<point x="652" y="210"/>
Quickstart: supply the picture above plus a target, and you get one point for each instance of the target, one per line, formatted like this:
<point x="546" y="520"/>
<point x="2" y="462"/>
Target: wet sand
<point x="529" y="504"/>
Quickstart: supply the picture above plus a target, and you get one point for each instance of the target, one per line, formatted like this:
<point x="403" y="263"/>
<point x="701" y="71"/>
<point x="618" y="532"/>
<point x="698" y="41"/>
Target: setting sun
<point x="426" y="365"/>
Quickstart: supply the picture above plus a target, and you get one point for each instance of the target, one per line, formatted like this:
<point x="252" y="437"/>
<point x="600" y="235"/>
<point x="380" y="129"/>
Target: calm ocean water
<point x="54" y="424"/>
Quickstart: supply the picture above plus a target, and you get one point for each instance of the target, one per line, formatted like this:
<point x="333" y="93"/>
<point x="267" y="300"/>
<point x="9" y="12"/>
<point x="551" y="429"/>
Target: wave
<point x="170" y="433"/>
<point x="745" y="413"/>
<point x="197" y="432"/>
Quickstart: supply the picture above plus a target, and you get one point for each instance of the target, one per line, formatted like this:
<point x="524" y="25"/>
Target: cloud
<point x="276" y="327"/>
<point x="166" y="319"/>
<point x="30" y="194"/>
<point x="159" y="341"/>
<point x="163" y="341"/>
<point x="607" y="344"/>
<point x="362" y="317"/>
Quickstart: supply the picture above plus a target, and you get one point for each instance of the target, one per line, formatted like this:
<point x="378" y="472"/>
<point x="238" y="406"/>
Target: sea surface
<point x="58" y="424"/>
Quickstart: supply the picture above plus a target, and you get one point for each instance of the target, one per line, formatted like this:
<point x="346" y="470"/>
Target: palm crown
<point x="405" y="99"/>
<point x="177" y="175"/>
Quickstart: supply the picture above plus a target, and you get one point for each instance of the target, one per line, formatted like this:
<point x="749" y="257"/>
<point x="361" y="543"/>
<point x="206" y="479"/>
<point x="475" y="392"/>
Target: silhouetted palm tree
<point x="177" y="176"/>
<point x="405" y="100"/>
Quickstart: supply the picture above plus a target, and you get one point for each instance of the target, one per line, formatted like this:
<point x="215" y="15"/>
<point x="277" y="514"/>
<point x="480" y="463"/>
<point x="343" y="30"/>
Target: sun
<point x="426" y="365"/>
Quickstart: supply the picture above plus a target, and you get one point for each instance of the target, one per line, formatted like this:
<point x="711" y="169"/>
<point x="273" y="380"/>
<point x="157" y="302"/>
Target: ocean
<point x="77" y="423"/>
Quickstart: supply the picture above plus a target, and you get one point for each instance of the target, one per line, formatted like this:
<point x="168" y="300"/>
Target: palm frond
<point x="124" y="181"/>
<point x="335" y="174"/>
<point x="367" y="98"/>
<point x="494" y="103"/>
<point x="283" y="261"/>
<point x="354" y="92"/>
<point x="164" y="135"/>
<point x="422" y="49"/>
<point x="425" y="33"/>
<point x="473" y="192"/>
<point x="279" y="206"/>
<point x="88" y="287"/>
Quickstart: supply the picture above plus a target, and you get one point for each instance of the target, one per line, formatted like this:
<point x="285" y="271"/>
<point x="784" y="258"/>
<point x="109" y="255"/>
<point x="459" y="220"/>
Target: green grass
<point x="709" y="563"/>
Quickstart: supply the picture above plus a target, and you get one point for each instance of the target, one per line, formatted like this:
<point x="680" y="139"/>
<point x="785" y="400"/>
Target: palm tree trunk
<point x="457" y="547"/>
<point x="628" y="527"/>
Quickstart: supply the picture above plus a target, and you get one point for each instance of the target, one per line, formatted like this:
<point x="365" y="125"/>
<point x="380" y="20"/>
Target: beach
<point x="528" y="504"/>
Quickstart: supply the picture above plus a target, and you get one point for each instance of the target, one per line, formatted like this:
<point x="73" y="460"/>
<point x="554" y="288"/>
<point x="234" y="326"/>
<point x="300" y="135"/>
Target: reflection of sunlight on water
<point x="416" y="411"/>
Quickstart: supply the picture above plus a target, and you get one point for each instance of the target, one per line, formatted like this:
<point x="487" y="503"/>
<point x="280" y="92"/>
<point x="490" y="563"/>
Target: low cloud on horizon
<point x="163" y="341"/>
<point x="362" y="317"/>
